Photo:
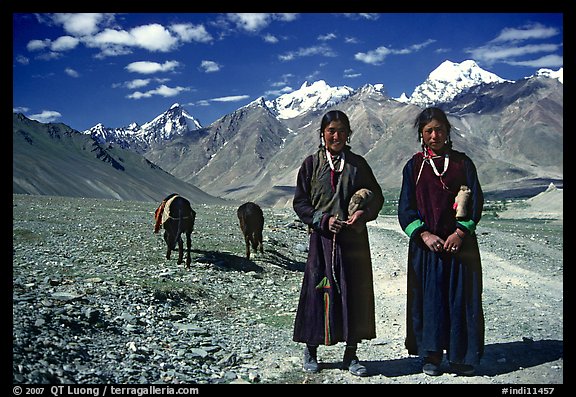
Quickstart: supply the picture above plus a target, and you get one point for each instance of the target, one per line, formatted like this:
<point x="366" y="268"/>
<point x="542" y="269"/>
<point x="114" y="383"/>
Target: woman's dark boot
<point x="311" y="359"/>
<point x="351" y="362"/>
<point x="432" y="363"/>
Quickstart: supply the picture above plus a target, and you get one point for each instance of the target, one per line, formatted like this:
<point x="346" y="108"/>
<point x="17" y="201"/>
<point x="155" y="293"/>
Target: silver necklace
<point x="446" y="162"/>
<point x="331" y="163"/>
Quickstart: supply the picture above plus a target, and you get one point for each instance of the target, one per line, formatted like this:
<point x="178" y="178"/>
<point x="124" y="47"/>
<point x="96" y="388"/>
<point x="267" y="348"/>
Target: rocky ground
<point x="95" y="300"/>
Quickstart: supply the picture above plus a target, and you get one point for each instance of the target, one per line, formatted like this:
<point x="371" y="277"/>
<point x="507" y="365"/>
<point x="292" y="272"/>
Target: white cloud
<point x="209" y="66"/>
<point x="308" y="51"/>
<point x="110" y="37"/>
<point x="162" y="90"/>
<point x="231" y="98"/>
<point x="64" y="43"/>
<point x="377" y="56"/>
<point x="547" y="61"/>
<point x="270" y="39"/>
<point x="189" y="32"/>
<point x="37" y="45"/>
<point x="112" y="42"/>
<point x="529" y="32"/>
<point x="21" y="59"/>
<point x="286" y="16"/>
<point x="153" y="37"/>
<point x="71" y="72"/>
<point x="326" y="37"/>
<point x="373" y="57"/>
<point x="250" y="22"/>
<point x="513" y="45"/>
<point x="362" y="15"/>
<point x="47" y="56"/>
<point x="81" y="24"/>
<point x="46" y="116"/>
<point x="350" y="74"/>
<point x="254" y="22"/>
<point x="20" y="109"/>
<point x="493" y="53"/>
<point x="277" y="93"/>
<point x="146" y="67"/>
<point x="137" y="83"/>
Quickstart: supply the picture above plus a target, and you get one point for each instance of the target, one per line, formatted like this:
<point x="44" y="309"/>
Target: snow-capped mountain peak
<point x="308" y="97"/>
<point x="174" y="122"/>
<point x="559" y="74"/>
<point x="450" y="79"/>
<point x="373" y="89"/>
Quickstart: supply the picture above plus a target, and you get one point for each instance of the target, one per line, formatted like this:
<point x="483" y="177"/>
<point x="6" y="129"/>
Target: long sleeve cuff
<point x="469" y="226"/>
<point x="413" y="226"/>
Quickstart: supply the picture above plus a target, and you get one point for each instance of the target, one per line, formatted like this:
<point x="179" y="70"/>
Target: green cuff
<point x="413" y="226"/>
<point x="468" y="225"/>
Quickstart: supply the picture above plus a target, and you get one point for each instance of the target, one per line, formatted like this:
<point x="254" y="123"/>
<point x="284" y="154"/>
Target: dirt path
<point x="523" y="310"/>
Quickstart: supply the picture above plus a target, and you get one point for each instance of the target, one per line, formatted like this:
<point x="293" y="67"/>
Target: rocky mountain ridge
<point x="255" y="152"/>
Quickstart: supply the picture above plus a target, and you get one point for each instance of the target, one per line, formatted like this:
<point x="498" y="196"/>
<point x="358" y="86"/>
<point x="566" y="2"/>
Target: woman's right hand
<point x="432" y="241"/>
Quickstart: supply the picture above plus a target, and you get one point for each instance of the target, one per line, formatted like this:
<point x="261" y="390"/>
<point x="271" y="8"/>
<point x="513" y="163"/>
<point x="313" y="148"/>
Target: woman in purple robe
<point x="444" y="295"/>
<point x="337" y="297"/>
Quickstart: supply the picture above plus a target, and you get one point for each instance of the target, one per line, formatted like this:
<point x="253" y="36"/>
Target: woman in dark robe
<point x="444" y="295"/>
<point x="337" y="297"/>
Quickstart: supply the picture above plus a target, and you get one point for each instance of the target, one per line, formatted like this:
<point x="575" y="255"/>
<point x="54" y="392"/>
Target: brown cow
<point x="176" y="217"/>
<point x="251" y="223"/>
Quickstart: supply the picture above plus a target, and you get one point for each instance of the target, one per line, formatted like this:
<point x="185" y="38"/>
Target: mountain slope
<point x="53" y="159"/>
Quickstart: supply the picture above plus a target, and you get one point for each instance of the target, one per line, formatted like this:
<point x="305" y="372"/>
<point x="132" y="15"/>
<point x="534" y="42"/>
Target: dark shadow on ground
<point x="226" y="262"/>
<point x="498" y="359"/>
<point x="273" y="257"/>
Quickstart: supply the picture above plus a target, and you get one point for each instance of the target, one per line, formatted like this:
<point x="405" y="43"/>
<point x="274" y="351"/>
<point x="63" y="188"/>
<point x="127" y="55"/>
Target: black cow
<point x="178" y="218"/>
<point x="251" y="223"/>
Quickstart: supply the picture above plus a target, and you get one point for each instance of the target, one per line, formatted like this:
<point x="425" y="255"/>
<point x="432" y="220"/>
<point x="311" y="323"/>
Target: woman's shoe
<point x="310" y="359"/>
<point x="431" y="369"/>
<point x="351" y="362"/>
<point x="355" y="368"/>
<point x="432" y="363"/>
<point x="462" y="369"/>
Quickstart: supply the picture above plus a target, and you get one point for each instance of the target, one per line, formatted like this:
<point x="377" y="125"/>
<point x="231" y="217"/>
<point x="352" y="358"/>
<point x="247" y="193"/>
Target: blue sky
<point x="115" y="69"/>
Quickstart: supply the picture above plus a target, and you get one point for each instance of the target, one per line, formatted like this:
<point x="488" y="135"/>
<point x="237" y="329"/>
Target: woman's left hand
<point x="357" y="221"/>
<point x="453" y="243"/>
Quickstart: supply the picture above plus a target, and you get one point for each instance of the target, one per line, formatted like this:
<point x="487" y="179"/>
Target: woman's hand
<point x="335" y="225"/>
<point x="453" y="242"/>
<point x="357" y="221"/>
<point x="432" y="241"/>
